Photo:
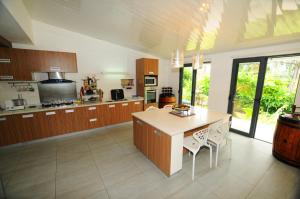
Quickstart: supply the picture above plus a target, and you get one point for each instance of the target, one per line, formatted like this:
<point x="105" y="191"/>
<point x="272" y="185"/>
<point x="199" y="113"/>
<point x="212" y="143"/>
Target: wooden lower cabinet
<point x="7" y="134"/>
<point x="30" y="126"/>
<point x="155" y="144"/>
<point x="140" y="136"/>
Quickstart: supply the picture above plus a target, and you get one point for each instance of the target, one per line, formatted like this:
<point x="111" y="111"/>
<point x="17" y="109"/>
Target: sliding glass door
<point x="194" y="85"/>
<point x="261" y="88"/>
<point x="245" y="93"/>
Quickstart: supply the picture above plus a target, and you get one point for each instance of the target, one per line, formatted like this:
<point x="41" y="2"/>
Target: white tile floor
<point x="106" y="164"/>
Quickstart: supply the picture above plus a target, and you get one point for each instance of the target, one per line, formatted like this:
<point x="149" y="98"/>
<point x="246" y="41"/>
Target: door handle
<point x="2" y="119"/>
<point x="92" y="108"/>
<point x="27" y="116"/>
<point x="50" y="113"/>
<point x="69" y="111"/>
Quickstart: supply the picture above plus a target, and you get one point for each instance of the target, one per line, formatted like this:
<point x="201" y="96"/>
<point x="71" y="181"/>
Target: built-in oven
<point x="150" y="80"/>
<point x="150" y="95"/>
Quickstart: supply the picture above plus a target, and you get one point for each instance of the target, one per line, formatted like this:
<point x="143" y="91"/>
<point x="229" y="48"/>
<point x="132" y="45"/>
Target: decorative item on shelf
<point x="88" y="91"/>
<point x="177" y="59"/>
<point x="127" y="83"/>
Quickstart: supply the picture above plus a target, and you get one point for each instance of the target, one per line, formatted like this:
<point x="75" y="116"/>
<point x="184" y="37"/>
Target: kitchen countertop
<point x="173" y="125"/>
<point x="39" y="108"/>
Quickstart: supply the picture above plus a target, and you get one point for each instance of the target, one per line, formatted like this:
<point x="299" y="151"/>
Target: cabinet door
<point x="26" y="127"/>
<point x="81" y="119"/>
<point x="125" y="112"/>
<point x="151" y="67"/>
<point x="22" y="65"/>
<point x="140" y="136"/>
<point x="71" y="122"/>
<point x="111" y="114"/>
<point x="7" y="134"/>
<point x="68" y="62"/>
<point x="159" y="149"/>
<point x="94" y="116"/>
<point x="6" y="64"/>
<point x="137" y="106"/>
<point x="53" y="122"/>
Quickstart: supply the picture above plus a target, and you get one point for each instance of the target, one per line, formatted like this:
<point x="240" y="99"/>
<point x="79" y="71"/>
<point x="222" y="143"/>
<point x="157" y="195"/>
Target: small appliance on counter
<point x="166" y="97"/>
<point x="117" y="94"/>
<point x="15" y="104"/>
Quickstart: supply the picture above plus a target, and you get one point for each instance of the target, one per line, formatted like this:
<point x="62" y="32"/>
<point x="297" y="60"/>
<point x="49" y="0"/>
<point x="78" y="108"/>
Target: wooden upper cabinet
<point x="147" y="66"/>
<point x="51" y="61"/>
<point x="19" y="64"/>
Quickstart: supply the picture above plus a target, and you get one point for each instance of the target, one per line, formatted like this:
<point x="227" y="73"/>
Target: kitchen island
<point x="159" y="134"/>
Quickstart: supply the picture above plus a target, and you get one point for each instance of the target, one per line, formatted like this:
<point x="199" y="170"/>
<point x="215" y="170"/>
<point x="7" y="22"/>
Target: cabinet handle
<point x="93" y="120"/>
<point x="27" y="116"/>
<point x="55" y="68"/>
<point x="2" y="119"/>
<point x="6" y="77"/>
<point x="111" y="106"/>
<point x="136" y="102"/>
<point x="50" y="113"/>
<point x="5" y="61"/>
<point x="125" y="104"/>
<point x="92" y="108"/>
<point x="69" y="111"/>
<point x="151" y="73"/>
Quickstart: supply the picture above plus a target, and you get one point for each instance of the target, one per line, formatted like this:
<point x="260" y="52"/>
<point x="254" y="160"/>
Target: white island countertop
<point x="173" y="125"/>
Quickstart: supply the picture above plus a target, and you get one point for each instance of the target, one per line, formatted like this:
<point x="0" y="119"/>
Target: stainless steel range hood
<point x="56" y="75"/>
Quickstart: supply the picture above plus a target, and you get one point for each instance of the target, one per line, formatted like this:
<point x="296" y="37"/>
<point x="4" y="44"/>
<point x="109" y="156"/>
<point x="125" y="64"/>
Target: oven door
<point x="150" y="96"/>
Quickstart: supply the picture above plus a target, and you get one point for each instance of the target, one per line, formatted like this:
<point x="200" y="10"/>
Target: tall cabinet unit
<point x="145" y="67"/>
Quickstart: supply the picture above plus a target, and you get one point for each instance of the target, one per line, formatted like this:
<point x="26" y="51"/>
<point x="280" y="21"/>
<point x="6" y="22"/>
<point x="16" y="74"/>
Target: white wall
<point x="93" y="56"/>
<point x="221" y="66"/>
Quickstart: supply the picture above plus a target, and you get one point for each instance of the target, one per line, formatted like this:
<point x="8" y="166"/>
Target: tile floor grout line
<point x="98" y="171"/>
<point x="260" y="179"/>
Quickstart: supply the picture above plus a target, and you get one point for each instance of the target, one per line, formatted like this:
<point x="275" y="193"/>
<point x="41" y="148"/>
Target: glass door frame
<point x="194" y="82"/>
<point x="258" y="93"/>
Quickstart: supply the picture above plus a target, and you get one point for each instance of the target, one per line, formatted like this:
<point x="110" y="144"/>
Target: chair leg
<point x="217" y="154"/>
<point x="193" y="170"/>
<point x="210" y="156"/>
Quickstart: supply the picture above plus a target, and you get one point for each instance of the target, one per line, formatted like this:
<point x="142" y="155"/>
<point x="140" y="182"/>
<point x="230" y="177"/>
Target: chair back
<point x="201" y="136"/>
<point x="151" y="108"/>
<point x="224" y="127"/>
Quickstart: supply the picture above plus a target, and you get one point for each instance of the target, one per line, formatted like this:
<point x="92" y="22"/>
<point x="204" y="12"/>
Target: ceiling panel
<point x="159" y="26"/>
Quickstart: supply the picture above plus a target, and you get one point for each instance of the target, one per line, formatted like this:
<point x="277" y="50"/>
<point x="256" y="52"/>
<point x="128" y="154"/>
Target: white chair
<point x="168" y="107"/>
<point x="151" y="108"/>
<point x="195" y="142"/>
<point x="219" y="137"/>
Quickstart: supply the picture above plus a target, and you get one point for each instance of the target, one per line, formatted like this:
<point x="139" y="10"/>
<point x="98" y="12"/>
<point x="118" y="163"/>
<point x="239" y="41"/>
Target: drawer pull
<point x="92" y="108"/>
<point x="2" y="118"/>
<point x="6" y="77"/>
<point x="111" y="106"/>
<point x="156" y="132"/>
<point x="50" y="113"/>
<point x="93" y="120"/>
<point x="5" y="61"/>
<point x="27" y="116"/>
<point x="125" y="104"/>
<point x="151" y="73"/>
<point x="69" y="111"/>
<point x="137" y="103"/>
<point x="139" y="122"/>
<point x="55" y="68"/>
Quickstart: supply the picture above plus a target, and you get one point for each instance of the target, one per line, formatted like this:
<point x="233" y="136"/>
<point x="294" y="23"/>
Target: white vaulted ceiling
<point x="160" y="26"/>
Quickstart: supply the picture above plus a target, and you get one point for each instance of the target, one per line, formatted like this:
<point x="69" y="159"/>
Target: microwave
<point x="150" y="80"/>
